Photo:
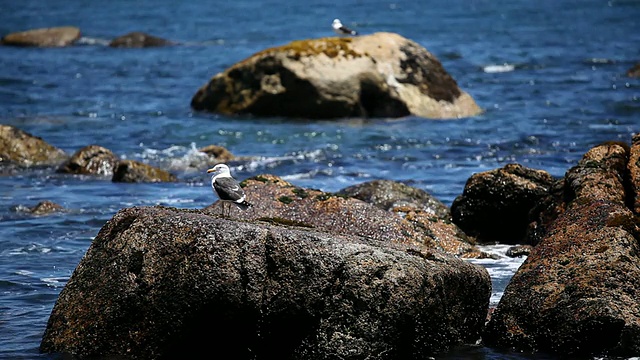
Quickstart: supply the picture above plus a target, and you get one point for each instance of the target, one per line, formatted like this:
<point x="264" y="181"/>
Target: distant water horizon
<point x="550" y="77"/>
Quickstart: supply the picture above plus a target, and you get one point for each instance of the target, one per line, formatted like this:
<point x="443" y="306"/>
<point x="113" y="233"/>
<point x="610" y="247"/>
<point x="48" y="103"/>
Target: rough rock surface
<point x="389" y="195"/>
<point x="91" y="160"/>
<point x="419" y="208"/>
<point x="578" y="291"/>
<point x="495" y="205"/>
<point x="154" y="278"/>
<point x="20" y="148"/>
<point x="135" y="171"/>
<point x="47" y="37"/>
<point x="377" y="75"/>
<point x="279" y="201"/>
<point x="634" y="172"/>
<point x="138" y="40"/>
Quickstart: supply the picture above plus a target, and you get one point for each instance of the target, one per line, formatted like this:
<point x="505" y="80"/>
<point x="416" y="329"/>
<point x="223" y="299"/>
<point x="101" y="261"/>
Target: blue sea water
<point x="550" y="76"/>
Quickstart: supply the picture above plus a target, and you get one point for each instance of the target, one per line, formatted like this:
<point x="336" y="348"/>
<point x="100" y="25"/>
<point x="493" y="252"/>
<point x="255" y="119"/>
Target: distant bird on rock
<point x="341" y="29"/>
<point x="227" y="188"/>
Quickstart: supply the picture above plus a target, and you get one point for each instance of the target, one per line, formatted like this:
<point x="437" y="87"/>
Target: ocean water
<point x="550" y="76"/>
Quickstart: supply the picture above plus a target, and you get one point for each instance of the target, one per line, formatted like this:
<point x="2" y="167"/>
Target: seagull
<point x="341" y="29"/>
<point x="227" y="188"/>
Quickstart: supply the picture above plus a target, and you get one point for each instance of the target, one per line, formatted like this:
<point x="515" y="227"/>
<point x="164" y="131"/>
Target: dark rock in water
<point x="634" y="71"/>
<point x="155" y="279"/>
<point x="45" y="207"/>
<point x="495" y="205"/>
<point x="519" y="251"/>
<point x="387" y="195"/>
<point x="48" y="37"/>
<point x="577" y="293"/>
<point x="275" y="199"/>
<point x="135" y="171"/>
<point x="377" y="75"/>
<point x="20" y="148"/>
<point x="91" y="160"/>
<point x="138" y="40"/>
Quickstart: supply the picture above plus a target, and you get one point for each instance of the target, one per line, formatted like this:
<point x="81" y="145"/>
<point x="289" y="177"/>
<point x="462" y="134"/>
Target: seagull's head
<point x="336" y="23"/>
<point x="219" y="169"/>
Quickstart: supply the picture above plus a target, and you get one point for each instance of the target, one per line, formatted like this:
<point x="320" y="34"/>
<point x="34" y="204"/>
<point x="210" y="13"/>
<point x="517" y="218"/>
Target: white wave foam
<point x="92" y="41"/>
<point x="54" y="281"/>
<point x="31" y="248"/>
<point x="498" y="68"/>
<point x="24" y="272"/>
<point x="501" y="269"/>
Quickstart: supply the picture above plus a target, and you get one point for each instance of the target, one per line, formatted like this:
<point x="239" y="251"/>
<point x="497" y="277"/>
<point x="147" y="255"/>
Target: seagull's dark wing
<point x="228" y="189"/>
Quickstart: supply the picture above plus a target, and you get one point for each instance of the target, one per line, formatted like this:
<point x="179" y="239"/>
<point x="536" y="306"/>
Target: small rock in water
<point x="519" y="251"/>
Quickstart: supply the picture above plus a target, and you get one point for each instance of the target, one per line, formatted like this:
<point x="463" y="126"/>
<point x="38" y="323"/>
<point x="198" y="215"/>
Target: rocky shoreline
<point x="373" y="269"/>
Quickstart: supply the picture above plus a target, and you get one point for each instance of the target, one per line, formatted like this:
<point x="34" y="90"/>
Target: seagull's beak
<point x="210" y="170"/>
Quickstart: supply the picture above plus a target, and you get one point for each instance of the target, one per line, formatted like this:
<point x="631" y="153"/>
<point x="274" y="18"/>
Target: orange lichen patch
<point x="330" y="46"/>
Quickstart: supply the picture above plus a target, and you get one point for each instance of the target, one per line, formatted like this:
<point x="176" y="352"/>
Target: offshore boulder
<point x="46" y="37"/>
<point x="165" y="283"/>
<point x="377" y="75"/>
<point x="138" y="39"/>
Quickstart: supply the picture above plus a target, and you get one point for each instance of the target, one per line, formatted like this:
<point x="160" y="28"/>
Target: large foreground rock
<point x="46" y="37"/>
<point x="378" y="75"/>
<point x="279" y="201"/>
<point x="578" y="291"/>
<point x="168" y="283"/>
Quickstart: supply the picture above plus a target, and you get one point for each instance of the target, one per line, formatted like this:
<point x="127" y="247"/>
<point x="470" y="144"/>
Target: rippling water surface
<point x="550" y="76"/>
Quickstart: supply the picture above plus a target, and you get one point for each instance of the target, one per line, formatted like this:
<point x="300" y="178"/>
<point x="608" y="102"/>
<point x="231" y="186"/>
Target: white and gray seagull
<point x="341" y="29"/>
<point x="227" y="188"/>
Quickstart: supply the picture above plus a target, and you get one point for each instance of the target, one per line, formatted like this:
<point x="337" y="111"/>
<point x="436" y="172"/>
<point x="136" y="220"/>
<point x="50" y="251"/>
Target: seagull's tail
<point x="244" y="205"/>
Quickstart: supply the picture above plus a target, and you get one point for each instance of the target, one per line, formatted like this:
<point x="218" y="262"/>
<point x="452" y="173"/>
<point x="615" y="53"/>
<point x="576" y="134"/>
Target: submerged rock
<point x="378" y="75"/>
<point x="634" y="71"/>
<point x="47" y="37"/>
<point x="138" y="40"/>
<point x="19" y="148"/>
<point x="46" y="207"/>
<point x="154" y="279"/>
<point x="577" y="293"/>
